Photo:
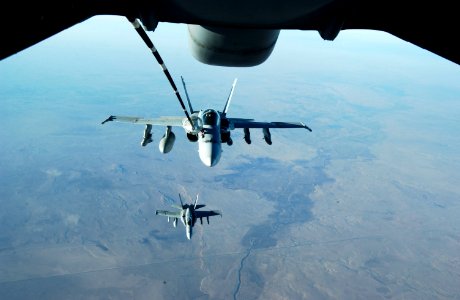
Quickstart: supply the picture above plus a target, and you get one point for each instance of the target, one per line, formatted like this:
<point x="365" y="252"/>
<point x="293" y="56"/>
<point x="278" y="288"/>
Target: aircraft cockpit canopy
<point x="210" y="117"/>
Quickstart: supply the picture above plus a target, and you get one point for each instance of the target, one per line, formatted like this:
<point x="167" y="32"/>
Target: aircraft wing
<point x="430" y="25"/>
<point x="172" y="214"/>
<point x="166" y="121"/>
<point x="207" y="213"/>
<point x="247" y="123"/>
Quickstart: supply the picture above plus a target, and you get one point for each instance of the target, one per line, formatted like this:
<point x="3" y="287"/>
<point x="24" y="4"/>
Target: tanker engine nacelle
<point x="231" y="47"/>
<point x="167" y="141"/>
<point x="247" y="136"/>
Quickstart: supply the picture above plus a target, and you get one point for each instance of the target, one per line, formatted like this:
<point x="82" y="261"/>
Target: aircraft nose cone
<point x="215" y="157"/>
<point x="189" y="232"/>
<point x="214" y="161"/>
<point x="207" y="161"/>
<point x="210" y="157"/>
<point x="210" y="161"/>
<point x="209" y="149"/>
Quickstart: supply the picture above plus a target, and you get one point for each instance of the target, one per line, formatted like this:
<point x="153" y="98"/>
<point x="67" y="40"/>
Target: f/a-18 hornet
<point x="209" y="127"/>
<point x="188" y="214"/>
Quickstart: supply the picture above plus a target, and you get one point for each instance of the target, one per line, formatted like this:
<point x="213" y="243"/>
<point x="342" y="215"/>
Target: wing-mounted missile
<point x="175" y="222"/>
<point x="147" y="135"/>
<point x="167" y="141"/>
<point x="247" y="136"/>
<point x="267" y="136"/>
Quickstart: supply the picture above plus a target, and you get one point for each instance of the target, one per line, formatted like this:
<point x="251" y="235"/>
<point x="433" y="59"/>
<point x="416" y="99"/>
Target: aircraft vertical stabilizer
<point x="186" y="95"/>
<point x="227" y="104"/>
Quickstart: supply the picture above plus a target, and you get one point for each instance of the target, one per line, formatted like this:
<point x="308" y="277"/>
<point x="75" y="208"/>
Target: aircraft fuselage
<point x="209" y="142"/>
<point x="188" y="222"/>
<point x="207" y="128"/>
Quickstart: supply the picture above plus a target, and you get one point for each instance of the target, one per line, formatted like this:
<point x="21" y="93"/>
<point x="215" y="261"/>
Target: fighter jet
<point x="188" y="214"/>
<point x="208" y="127"/>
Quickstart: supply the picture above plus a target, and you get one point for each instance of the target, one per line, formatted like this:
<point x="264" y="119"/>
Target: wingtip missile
<point x="306" y="127"/>
<point x="109" y="119"/>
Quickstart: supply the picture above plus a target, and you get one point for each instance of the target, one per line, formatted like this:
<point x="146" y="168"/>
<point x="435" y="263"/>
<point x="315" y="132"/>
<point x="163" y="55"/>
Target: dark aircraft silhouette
<point x="240" y="32"/>
<point x="188" y="214"/>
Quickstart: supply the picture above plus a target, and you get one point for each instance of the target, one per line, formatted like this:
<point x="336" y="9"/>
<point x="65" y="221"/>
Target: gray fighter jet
<point x="209" y="128"/>
<point x="188" y="214"/>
